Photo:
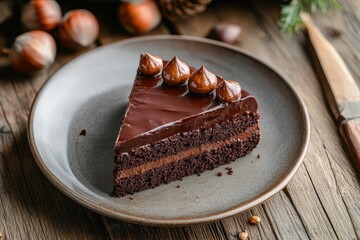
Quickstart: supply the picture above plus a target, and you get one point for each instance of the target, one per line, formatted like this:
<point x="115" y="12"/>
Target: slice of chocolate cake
<point x="181" y="121"/>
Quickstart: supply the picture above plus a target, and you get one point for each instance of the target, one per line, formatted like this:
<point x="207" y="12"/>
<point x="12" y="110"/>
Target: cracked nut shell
<point x="228" y="91"/>
<point x="254" y="220"/>
<point x="150" y="65"/>
<point x="202" y="81"/>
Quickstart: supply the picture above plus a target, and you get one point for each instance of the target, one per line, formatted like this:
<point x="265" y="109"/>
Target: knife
<point x="340" y="88"/>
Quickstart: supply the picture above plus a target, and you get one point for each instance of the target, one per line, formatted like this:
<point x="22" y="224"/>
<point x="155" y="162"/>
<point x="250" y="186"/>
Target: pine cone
<point x="178" y="9"/>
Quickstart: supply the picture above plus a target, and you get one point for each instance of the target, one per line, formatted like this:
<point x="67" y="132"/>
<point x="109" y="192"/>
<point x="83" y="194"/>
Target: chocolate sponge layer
<point x="183" y="141"/>
<point x="192" y="165"/>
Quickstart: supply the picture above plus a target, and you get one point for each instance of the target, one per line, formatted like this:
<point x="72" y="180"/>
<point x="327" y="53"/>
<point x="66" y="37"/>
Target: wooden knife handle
<point x="350" y="130"/>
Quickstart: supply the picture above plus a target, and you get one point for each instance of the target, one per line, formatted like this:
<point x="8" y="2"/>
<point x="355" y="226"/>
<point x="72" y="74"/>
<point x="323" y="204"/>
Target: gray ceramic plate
<point x="91" y="93"/>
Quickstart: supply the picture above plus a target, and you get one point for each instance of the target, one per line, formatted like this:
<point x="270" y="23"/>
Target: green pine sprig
<point x="291" y="23"/>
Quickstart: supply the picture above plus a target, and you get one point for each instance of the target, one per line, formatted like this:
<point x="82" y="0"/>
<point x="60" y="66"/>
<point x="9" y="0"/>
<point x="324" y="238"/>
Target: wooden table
<point x="321" y="202"/>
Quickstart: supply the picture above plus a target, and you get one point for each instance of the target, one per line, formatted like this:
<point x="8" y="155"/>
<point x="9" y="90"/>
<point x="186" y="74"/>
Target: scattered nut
<point x="219" y="174"/>
<point x="32" y="51"/>
<point x="41" y="15"/>
<point x="254" y="220"/>
<point x="139" y="16"/>
<point x="225" y="32"/>
<point x="243" y="235"/>
<point x="78" y="29"/>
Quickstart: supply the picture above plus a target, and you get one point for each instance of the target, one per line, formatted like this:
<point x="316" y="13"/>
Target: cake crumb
<point x="243" y="235"/>
<point x="228" y="168"/>
<point x="230" y="172"/>
<point x="258" y="156"/>
<point x="199" y="174"/>
<point x="177" y="186"/>
<point x="131" y="198"/>
<point x="83" y="132"/>
<point x="219" y="174"/>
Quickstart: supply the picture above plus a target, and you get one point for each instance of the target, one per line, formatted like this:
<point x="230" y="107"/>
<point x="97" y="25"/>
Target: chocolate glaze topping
<point x="228" y="91"/>
<point x="150" y="65"/>
<point x="156" y="111"/>
<point x="202" y="81"/>
<point x="176" y="72"/>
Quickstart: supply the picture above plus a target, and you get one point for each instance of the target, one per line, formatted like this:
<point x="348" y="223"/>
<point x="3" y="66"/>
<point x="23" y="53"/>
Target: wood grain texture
<point x="350" y="130"/>
<point x="339" y="85"/>
<point x="30" y="207"/>
<point x="313" y="195"/>
<point x="321" y="202"/>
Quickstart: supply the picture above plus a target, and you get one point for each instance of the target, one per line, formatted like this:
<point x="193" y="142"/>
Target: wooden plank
<point x="316" y="204"/>
<point x="321" y="207"/>
<point x="350" y="130"/>
<point x="30" y="207"/>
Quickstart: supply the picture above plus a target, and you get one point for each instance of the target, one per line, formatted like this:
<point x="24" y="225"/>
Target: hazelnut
<point x="140" y="17"/>
<point x="176" y="72"/>
<point x="202" y="81"/>
<point x="254" y="220"/>
<point x="78" y="29"/>
<point x="42" y="15"/>
<point x="32" y="51"/>
<point x="150" y="65"/>
<point x="228" y="91"/>
<point x="243" y="235"/>
<point x="225" y="32"/>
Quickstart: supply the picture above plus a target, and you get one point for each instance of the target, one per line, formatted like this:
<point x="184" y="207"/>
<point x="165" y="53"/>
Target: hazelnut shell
<point x="150" y="65"/>
<point x="32" y="51"/>
<point x="228" y="91"/>
<point x="78" y="29"/>
<point x="42" y="15"/>
<point x="176" y="72"/>
<point x="139" y="18"/>
<point x="202" y="81"/>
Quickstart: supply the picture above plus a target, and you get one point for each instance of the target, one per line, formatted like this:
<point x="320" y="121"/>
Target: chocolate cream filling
<point x="184" y="154"/>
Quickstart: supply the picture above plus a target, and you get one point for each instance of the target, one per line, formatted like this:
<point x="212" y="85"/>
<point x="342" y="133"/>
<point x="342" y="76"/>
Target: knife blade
<point x="340" y="88"/>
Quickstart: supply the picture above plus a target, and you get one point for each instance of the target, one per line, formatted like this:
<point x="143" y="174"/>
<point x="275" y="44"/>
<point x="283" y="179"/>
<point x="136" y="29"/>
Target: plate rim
<point x="183" y="221"/>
